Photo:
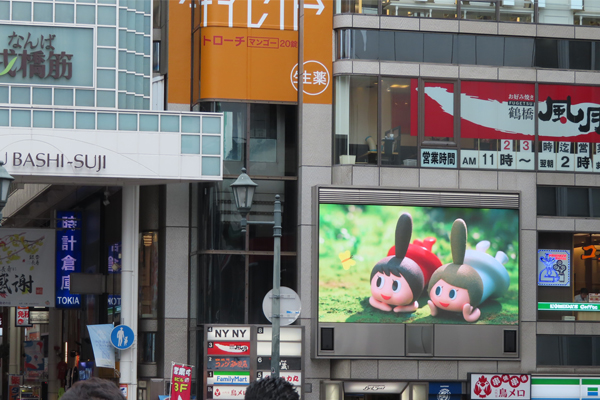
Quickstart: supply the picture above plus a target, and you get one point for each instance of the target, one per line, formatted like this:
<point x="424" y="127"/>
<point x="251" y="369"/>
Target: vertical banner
<point x="14" y="381"/>
<point x="34" y="359"/>
<point x="318" y="50"/>
<point x="104" y="352"/>
<point x="181" y="380"/>
<point x="68" y="257"/>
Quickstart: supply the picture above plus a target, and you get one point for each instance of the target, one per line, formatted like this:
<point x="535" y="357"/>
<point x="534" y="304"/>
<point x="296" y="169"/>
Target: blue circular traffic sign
<point x="122" y="337"/>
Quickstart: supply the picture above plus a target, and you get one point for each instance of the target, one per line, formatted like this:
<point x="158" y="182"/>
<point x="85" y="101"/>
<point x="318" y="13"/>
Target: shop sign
<point x="554" y="267"/>
<point x="226" y="392"/>
<point x="374" y="387"/>
<point x="435" y="158"/>
<point x="228" y="363"/>
<point x="228" y="348"/>
<point x="68" y="257"/>
<point x="228" y="333"/>
<point x="34" y="357"/>
<point x="46" y="55"/>
<point x="181" y="381"/>
<point x="546" y="306"/>
<point x="445" y="390"/>
<point x="294" y="378"/>
<point x="27" y="267"/>
<point x="285" y="364"/>
<point x="22" y="317"/>
<point x="114" y="259"/>
<point x="228" y="378"/>
<point x="500" y="386"/>
<point x="556" y="387"/>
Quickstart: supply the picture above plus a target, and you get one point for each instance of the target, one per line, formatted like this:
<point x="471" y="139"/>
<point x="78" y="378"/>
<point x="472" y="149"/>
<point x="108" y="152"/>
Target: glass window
<point x="355" y="119"/>
<point x="365" y="44"/>
<point x="438" y="48"/>
<point x="409" y="46"/>
<point x="398" y="136"/>
<point x="546" y="53"/>
<point x="556" y="350"/>
<point x="490" y="50"/>
<point x="518" y="52"/>
<point x="546" y="201"/>
<point x="578" y="202"/>
<point x="580" y="54"/>
<point x="223" y="288"/>
<point x="357" y="6"/>
<point x="479" y="9"/>
<point x="466" y="49"/>
<point x="517" y="11"/>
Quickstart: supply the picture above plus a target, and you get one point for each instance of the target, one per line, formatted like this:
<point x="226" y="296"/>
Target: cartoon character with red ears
<point x="398" y="280"/>
<point x="471" y="278"/>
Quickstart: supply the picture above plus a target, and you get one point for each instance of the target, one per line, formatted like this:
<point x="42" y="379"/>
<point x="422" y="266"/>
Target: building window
<point x="563" y="350"/>
<point x="563" y="201"/>
<point x="148" y="278"/>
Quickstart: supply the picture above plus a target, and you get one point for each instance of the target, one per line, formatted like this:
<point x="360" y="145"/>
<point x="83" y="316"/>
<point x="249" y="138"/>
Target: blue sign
<point x="554" y="267"/>
<point x="445" y="390"/>
<point x="122" y="337"/>
<point x="68" y="257"/>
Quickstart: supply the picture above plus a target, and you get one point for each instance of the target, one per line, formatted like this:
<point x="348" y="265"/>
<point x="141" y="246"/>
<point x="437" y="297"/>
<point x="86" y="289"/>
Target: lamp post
<point x="5" y="180"/>
<point x="243" y="192"/>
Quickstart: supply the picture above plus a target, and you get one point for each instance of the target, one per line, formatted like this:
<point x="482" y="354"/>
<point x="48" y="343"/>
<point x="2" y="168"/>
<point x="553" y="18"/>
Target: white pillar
<point x="14" y="360"/>
<point x="129" y="283"/>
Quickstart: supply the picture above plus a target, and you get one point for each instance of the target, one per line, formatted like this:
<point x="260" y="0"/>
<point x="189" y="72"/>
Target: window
<point x="148" y="278"/>
<point x="561" y="350"/>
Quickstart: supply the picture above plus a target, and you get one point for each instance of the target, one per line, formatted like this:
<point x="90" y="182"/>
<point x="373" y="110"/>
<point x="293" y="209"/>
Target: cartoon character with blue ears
<point x="471" y="278"/>
<point x="398" y="280"/>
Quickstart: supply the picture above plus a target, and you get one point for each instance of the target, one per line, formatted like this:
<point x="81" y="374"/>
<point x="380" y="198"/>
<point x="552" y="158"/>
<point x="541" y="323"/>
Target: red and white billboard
<point x="500" y="386"/>
<point x="229" y="348"/>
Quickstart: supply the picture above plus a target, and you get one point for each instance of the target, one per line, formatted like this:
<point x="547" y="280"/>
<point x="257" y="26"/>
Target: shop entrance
<point x="411" y="391"/>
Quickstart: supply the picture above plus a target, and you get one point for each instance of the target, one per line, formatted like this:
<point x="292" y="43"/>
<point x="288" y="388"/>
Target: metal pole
<point x="276" y="284"/>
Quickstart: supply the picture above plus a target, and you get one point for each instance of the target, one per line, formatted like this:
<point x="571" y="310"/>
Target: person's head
<point x="271" y="388"/>
<point x="93" y="389"/>
<point x="584" y="293"/>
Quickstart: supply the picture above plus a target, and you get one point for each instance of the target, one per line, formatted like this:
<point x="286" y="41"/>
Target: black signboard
<point x="285" y="364"/>
<point x="225" y="363"/>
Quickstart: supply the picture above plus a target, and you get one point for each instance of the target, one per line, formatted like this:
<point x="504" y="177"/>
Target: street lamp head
<point x="5" y="180"/>
<point x="243" y="192"/>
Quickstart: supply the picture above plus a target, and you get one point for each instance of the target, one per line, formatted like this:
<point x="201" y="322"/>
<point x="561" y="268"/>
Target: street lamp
<point x="5" y="180"/>
<point x="243" y="192"/>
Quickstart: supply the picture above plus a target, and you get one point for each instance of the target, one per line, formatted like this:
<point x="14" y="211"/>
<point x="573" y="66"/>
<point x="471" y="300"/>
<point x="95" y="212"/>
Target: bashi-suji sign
<point x="46" y="55"/>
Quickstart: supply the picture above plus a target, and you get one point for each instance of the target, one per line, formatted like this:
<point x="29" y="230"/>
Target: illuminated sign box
<point x="545" y="306"/>
<point x="382" y="266"/>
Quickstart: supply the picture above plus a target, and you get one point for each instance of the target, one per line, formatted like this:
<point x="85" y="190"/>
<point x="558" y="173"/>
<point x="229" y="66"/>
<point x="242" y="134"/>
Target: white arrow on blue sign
<point x="122" y="337"/>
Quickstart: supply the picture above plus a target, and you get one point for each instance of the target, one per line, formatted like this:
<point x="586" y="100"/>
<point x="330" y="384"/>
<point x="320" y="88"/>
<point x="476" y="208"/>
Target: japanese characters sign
<point x="104" y="352"/>
<point x="437" y="158"/>
<point x="46" y="55"/>
<point x="229" y="348"/>
<point x="22" y="317"/>
<point x="554" y="267"/>
<point x="68" y="257"/>
<point x="226" y="392"/>
<point x="547" y="306"/>
<point x="114" y="258"/>
<point x="222" y="363"/>
<point x="181" y="381"/>
<point x="228" y="378"/>
<point x="263" y="38"/>
<point x="569" y="127"/>
<point x="500" y="386"/>
<point x="26" y="267"/>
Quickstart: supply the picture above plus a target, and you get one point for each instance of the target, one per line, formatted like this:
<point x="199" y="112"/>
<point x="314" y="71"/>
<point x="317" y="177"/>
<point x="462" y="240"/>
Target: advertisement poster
<point x="34" y="359"/>
<point x="14" y="381"/>
<point x="554" y="267"/>
<point x="26" y="267"/>
<point x="181" y="381"/>
<point x="104" y="352"/>
<point x="229" y="348"/>
<point x="22" y="317"/>
<point x="500" y="386"/>
<point x="68" y="257"/>
<point x="402" y="264"/>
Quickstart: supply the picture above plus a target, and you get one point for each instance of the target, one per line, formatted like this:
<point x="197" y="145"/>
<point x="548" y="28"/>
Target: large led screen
<point x="401" y="264"/>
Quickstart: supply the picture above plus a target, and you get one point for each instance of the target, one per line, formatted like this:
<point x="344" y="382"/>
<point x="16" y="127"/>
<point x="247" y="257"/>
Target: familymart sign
<point x="564" y="388"/>
<point x="569" y="306"/>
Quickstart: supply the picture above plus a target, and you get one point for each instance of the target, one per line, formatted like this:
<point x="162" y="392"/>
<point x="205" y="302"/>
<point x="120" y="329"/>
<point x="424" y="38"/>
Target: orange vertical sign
<point x="318" y="50"/>
<point x="180" y="42"/>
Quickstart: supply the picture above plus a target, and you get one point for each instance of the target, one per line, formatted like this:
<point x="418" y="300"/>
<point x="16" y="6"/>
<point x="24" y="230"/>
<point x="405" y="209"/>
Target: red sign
<point x="569" y="113"/>
<point x="235" y="348"/>
<point x="500" y="386"/>
<point x="22" y="317"/>
<point x="181" y="381"/>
